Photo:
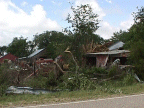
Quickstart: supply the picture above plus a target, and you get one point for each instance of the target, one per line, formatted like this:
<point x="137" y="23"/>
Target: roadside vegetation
<point x="82" y="82"/>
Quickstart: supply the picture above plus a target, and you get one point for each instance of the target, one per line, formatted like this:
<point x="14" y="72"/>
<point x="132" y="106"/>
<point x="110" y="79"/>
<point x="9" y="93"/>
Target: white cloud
<point x="93" y="3"/>
<point x="41" y="0"/>
<point x="24" y="3"/>
<point x="106" y="30"/>
<point x="109" y="1"/>
<point x="15" y="22"/>
<point x="127" y="24"/>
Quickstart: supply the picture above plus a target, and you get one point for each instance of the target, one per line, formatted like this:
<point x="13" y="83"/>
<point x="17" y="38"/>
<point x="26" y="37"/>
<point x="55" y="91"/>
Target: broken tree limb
<point x="61" y="68"/>
<point x="77" y="67"/>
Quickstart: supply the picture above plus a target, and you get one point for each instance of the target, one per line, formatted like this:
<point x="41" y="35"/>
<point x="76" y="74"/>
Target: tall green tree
<point x="134" y="41"/>
<point x="19" y="47"/>
<point x="84" y="23"/>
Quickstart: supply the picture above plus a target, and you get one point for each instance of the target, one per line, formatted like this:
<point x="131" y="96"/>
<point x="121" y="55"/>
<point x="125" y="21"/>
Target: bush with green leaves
<point x="39" y="81"/>
<point x="74" y="81"/>
<point x="7" y="78"/>
<point x="128" y="80"/>
<point x="93" y="72"/>
<point x="114" y="70"/>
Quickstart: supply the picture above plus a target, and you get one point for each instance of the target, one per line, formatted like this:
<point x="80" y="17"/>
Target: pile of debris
<point x="94" y="48"/>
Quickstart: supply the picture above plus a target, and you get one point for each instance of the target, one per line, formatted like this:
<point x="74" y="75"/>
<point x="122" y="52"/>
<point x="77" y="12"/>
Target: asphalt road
<point x="132" y="101"/>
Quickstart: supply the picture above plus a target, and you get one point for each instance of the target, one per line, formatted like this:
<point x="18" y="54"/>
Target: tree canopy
<point x="55" y="42"/>
<point x="134" y="41"/>
<point x="84" y="23"/>
<point x="19" y="47"/>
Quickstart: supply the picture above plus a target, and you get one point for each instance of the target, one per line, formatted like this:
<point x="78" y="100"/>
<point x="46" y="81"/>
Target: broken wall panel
<point x="101" y="60"/>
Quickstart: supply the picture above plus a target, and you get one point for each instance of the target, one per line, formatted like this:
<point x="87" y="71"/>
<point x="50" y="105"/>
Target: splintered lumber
<point x="94" y="48"/>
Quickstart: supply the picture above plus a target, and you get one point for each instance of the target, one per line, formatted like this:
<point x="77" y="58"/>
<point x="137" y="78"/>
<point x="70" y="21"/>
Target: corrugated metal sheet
<point x="116" y="46"/>
<point x="35" y="53"/>
<point x="110" y="52"/>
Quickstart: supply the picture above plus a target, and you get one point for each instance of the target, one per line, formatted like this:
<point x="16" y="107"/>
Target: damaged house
<point x="106" y="58"/>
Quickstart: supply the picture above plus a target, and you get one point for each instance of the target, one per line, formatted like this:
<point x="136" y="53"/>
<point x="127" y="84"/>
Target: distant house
<point x="103" y="59"/>
<point x="8" y="56"/>
<point x="36" y="55"/>
<point x="41" y="53"/>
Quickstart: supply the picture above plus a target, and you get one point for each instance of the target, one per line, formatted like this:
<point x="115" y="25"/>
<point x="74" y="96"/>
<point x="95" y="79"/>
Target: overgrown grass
<point x="73" y="87"/>
<point x="66" y="96"/>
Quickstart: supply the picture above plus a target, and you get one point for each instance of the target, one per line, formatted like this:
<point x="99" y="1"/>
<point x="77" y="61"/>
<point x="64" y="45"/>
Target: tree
<point x="19" y="47"/>
<point x="139" y="16"/>
<point x="3" y="49"/>
<point x="55" y="42"/>
<point x="134" y="41"/>
<point x="84" y="23"/>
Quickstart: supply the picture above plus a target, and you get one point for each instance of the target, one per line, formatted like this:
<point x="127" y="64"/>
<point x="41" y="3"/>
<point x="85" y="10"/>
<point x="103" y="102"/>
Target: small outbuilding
<point x="8" y="56"/>
<point x="106" y="58"/>
<point x="102" y="59"/>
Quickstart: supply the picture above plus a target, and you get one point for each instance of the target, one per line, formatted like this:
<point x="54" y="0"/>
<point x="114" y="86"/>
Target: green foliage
<point x="93" y="71"/>
<point x="36" y="82"/>
<point x="113" y="71"/>
<point x="134" y="41"/>
<point x="6" y="78"/>
<point x="40" y="81"/>
<point x="84" y="23"/>
<point x="55" y="42"/>
<point x="19" y="47"/>
<point x="51" y="80"/>
<point x="51" y="51"/>
<point x="3" y="49"/>
<point x="128" y="80"/>
<point x="82" y="81"/>
<point x="3" y="88"/>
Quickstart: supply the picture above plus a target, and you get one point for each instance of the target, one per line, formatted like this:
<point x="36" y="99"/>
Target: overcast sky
<point x="28" y="17"/>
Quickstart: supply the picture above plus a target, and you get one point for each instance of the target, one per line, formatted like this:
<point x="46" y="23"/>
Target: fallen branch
<point x="110" y="78"/>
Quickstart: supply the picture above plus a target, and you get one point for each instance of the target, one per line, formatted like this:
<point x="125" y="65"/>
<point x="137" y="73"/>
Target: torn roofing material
<point x="116" y="46"/>
<point x="35" y="53"/>
<point x="109" y="52"/>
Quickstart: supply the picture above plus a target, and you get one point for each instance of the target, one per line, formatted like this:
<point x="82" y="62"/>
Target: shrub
<point x="76" y="82"/>
<point x="36" y="82"/>
<point x="128" y="80"/>
<point x="40" y="81"/>
<point x="5" y="79"/>
<point x="92" y="72"/>
<point x="113" y="71"/>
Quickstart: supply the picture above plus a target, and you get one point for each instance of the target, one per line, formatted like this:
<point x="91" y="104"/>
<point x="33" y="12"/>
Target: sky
<point x="29" y="17"/>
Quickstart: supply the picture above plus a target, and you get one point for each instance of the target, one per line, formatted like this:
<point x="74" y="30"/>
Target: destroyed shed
<point x="107" y="57"/>
<point x="103" y="59"/>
